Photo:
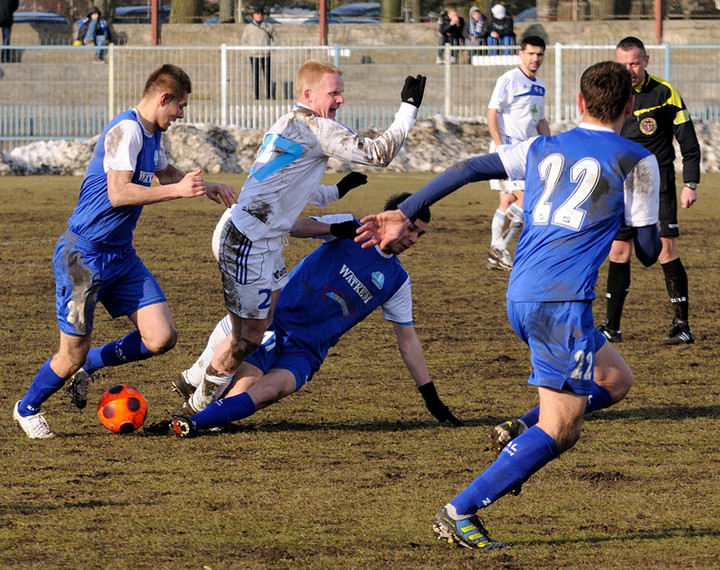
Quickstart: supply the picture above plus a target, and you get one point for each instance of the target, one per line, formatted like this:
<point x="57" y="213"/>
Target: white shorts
<point x="505" y="186"/>
<point x="251" y="271"/>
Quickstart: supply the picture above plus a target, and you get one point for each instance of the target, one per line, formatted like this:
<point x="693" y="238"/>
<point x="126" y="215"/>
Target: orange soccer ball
<point x="122" y="409"/>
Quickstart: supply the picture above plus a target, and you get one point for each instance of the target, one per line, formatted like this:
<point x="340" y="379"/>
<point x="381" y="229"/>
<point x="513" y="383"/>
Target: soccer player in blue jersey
<point x="579" y="187"/>
<point x="329" y="292"/>
<point x="95" y="260"/>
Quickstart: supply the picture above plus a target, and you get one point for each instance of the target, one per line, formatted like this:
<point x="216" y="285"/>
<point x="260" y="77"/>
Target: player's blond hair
<point x="311" y="73"/>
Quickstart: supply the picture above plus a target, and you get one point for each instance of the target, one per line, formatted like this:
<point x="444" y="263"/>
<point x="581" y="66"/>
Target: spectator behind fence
<point x="260" y="33"/>
<point x="94" y="31"/>
<point x="476" y="30"/>
<point x="501" y="29"/>
<point x="450" y="26"/>
<point x="7" y="9"/>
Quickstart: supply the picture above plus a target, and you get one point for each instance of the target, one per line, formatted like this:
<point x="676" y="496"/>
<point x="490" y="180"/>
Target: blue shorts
<point x="87" y="272"/>
<point x="563" y="341"/>
<point x="276" y="352"/>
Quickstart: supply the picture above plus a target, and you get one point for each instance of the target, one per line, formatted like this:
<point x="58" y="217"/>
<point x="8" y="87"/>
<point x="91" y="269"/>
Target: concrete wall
<point x="679" y="32"/>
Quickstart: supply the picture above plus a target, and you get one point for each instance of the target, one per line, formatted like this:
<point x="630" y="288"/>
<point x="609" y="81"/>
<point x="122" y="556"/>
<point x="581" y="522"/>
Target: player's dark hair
<point x="630" y="42"/>
<point x="396" y="199"/>
<point x="606" y="88"/>
<point x="169" y="79"/>
<point x="536" y="41"/>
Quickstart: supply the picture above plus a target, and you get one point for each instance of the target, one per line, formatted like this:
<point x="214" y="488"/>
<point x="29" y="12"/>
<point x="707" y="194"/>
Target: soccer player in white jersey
<point x="329" y="292"/>
<point x="281" y="181"/>
<point x="579" y="187"/>
<point x="516" y="112"/>
<point x="95" y="260"/>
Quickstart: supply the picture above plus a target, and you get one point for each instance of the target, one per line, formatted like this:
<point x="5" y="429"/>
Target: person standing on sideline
<point x="329" y="292"/>
<point x="94" y="31"/>
<point x="7" y="9"/>
<point x="658" y="115"/>
<point x="281" y="182"/>
<point x="95" y="260"/>
<point x="516" y="112"/>
<point x="579" y="187"/>
<point x="262" y="34"/>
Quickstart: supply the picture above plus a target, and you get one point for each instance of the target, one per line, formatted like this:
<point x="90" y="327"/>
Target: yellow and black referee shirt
<point x="659" y="114"/>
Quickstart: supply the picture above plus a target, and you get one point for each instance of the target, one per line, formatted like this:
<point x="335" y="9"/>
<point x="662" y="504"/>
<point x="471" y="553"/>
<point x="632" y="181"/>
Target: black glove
<point x="350" y="181"/>
<point x="441" y="412"/>
<point x="413" y="90"/>
<point x="344" y="230"/>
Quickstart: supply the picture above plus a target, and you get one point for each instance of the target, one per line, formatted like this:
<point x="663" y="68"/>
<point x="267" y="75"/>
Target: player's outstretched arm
<point x="382" y="228"/>
<point x="414" y="357"/>
<point x="123" y="192"/>
<point x="310" y="228"/>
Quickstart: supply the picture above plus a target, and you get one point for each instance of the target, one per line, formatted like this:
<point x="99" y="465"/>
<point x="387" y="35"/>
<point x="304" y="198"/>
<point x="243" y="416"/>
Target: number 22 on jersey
<point x="584" y="175"/>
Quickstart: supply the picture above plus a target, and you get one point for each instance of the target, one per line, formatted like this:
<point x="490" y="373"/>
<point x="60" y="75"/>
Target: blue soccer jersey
<point x="334" y="288"/>
<point x="123" y="145"/>
<point x="579" y="187"/>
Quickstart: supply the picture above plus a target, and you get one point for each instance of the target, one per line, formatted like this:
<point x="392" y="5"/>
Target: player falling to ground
<point x="330" y="291"/>
<point x="579" y="187"/>
<point x="281" y="181"/>
<point x="659" y="114"/>
<point x="203" y="396"/>
<point x="95" y="260"/>
<point x="516" y="112"/>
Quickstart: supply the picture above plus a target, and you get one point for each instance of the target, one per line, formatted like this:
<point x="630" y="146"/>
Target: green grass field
<point x="350" y="472"/>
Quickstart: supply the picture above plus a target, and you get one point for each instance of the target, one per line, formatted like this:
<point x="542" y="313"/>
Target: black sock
<point x="618" y="285"/>
<point x="677" y="287"/>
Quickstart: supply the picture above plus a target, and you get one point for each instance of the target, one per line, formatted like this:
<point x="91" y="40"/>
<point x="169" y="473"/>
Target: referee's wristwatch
<point x="691" y="185"/>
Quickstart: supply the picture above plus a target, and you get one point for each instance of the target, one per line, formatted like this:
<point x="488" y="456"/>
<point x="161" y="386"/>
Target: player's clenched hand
<point x="191" y="185"/>
<point x="382" y="228"/>
<point x="221" y="193"/>
<point x="435" y="406"/>
<point x="350" y="181"/>
<point x="413" y="90"/>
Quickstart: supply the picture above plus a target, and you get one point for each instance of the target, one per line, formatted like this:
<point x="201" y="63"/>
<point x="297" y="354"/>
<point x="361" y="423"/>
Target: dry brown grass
<point x="349" y="472"/>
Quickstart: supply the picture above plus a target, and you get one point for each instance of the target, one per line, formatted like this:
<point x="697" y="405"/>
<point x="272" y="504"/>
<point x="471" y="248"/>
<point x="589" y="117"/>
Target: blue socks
<point x="599" y="399"/>
<point x="525" y="455"/>
<point x="224" y="411"/>
<point x="130" y="348"/>
<point x="44" y="385"/>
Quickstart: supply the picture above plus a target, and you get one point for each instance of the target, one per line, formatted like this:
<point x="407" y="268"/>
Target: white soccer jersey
<point x="520" y="102"/>
<point x="292" y="160"/>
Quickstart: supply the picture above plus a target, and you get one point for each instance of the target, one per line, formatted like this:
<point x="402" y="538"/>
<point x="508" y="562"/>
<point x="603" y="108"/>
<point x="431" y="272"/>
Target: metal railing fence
<point x="56" y="92"/>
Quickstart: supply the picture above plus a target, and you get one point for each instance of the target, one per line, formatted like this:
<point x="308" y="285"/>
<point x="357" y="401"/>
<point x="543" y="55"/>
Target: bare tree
<point x="186" y="11"/>
<point x="390" y="10"/>
<point x="225" y="14"/>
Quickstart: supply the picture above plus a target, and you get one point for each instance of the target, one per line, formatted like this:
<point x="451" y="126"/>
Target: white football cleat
<point x="34" y="426"/>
